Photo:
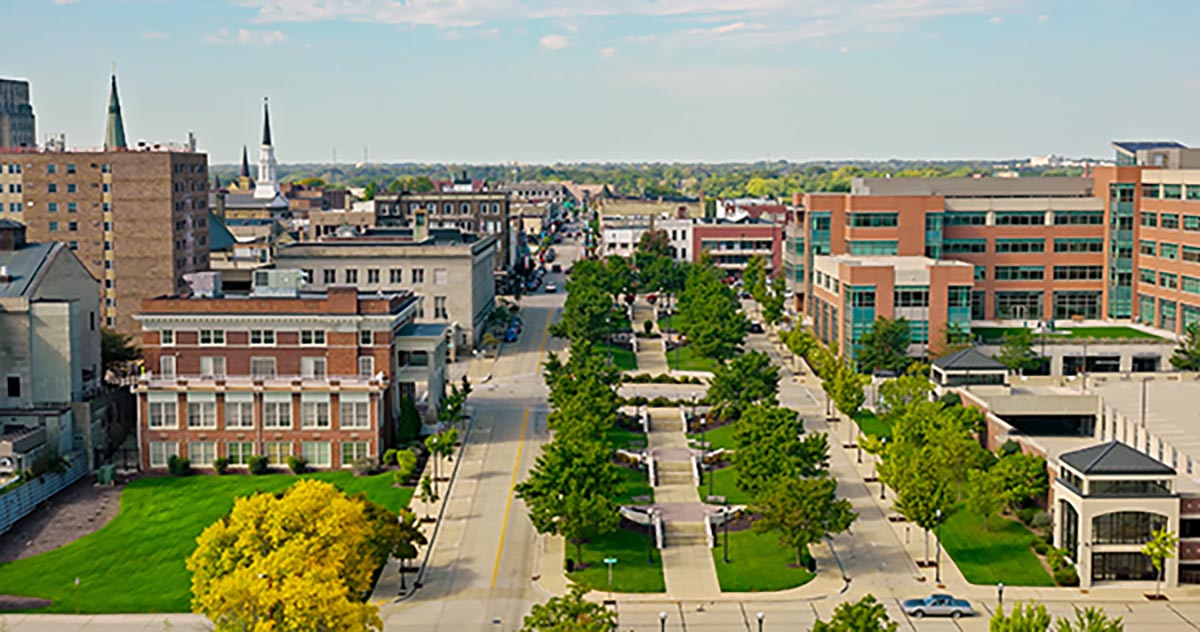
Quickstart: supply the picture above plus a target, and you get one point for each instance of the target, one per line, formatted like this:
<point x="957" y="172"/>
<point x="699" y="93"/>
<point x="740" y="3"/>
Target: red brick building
<point x="281" y="373"/>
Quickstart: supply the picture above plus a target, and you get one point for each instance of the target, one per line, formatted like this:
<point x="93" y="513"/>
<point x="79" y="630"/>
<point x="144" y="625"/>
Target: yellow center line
<point x="517" y="463"/>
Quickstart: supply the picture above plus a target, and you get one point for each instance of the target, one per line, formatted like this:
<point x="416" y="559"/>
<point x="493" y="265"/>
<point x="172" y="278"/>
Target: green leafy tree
<point x="804" y="512"/>
<point x="1023" y="478"/>
<point x="117" y="350"/>
<point x="408" y="425"/>
<point x="570" y="613"/>
<point x="984" y="495"/>
<point x="654" y="242"/>
<point x="747" y="380"/>
<point x="710" y="315"/>
<point x="569" y="489"/>
<point x="885" y="346"/>
<point x="754" y="278"/>
<point x="1089" y="619"/>
<point x="951" y="339"/>
<point x="897" y="397"/>
<point x="920" y="497"/>
<point x="1025" y="617"/>
<point x="427" y="494"/>
<point x="864" y="615"/>
<point x="1187" y="354"/>
<point x="370" y="190"/>
<point x="619" y="276"/>
<point x="773" y="301"/>
<point x="588" y="314"/>
<point x="406" y="466"/>
<point x="1017" y="351"/>
<point x="847" y="390"/>
<point x="408" y="537"/>
<point x="769" y="448"/>
<point x="1161" y="547"/>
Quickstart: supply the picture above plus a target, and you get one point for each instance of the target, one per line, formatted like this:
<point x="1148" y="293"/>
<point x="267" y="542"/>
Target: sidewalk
<point x="650" y="356"/>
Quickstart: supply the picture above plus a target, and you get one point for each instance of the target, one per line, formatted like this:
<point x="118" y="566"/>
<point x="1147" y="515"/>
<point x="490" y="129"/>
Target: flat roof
<point x="900" y="263"/>
<point x="974" y="187"/>
<point x="1134" y="146"/>
<point x="423" y="330"/>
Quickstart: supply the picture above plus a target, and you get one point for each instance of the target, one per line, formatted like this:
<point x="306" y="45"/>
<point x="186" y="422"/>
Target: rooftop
<point x="22" y="267"/>
<point x="1114" y="457"/>
<point x="900" y="263"/>
<point x="968" y="360"/>
<point x="1134" y="146"/>
<point x="974" y="187"/>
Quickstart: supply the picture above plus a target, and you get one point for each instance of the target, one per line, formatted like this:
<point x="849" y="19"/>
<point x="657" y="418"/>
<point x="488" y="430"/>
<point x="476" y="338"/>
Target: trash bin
<point x="106" y="474"/>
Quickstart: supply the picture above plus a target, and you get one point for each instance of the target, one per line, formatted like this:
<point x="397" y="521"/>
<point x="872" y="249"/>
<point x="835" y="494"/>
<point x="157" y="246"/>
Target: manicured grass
<point x="721" y="437"/>
<point x="625" y="439"/>
<point x="873" y="426"/>
<point x="633" y="483"/>
<point x="990" y="557"/>
<point x="724" y="484"/>
<point x="996" y="334"/>
<point x="633" y="573"/>
<point x="136" y="562"/>
<point x="686" y="359"/>
<point x="622" y="358"/>
<point x="668" y="323"/>
<point x="757" y="563"/>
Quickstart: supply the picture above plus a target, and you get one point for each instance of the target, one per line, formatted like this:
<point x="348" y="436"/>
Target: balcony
<point x="299" y="382"/>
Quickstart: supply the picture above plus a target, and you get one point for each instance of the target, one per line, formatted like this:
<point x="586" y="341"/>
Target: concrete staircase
<point x="684" y="534"/>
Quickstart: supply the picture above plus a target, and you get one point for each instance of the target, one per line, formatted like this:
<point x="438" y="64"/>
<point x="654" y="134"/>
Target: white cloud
<point x="554" y="42"/>
<point x="843" y="50"/>
<point x="61" y="2"/>
<point x="995" y="19"/>
<point x="244" y="37"/>
<point x="154" y="35"/>
<point x="1043" y="18"/>
<point x="608" y="52"/>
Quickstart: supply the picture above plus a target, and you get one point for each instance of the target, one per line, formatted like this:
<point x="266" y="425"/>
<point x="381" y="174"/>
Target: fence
<point x="22" y="500"/>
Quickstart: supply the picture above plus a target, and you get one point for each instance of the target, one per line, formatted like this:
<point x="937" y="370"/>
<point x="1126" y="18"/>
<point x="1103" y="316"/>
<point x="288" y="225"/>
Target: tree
<point x="409" y="537"/>
<point x="747" y="380"/>
<point x="884" y="346"/>
<point x="1028" y="617"/>
<point x="754" y="278"/>
<point x="951" y="339"/>
<point x="408" y="426"/>
<point x="1187" y="354"/>
<point x="427" y="494"/>
<point x="864" y="615"/>
<point x="303" y="558"/>
<point x="772" y="303"/>
<point x="1089" y="619"/>
<point x="985" y="495"/>
<point x="654" y="242"/>
<point x="919" y="497"/>
<point x="710" y="314"/>
<point x="1159" y="549"/>
<point x="846" y="388"/>
<point x="803" y="512"/>
<point x="569" y="489"/>
<point x="769" y="448"/>
<point x="1017" y="351"/>
<point x="588" y="314"/>
<point x="406" y="466"/>
<point x="1023" y="478"/>
<point x="370" y="190"/>
<point x="570" y="613"/>
<point x="117" y="350"/>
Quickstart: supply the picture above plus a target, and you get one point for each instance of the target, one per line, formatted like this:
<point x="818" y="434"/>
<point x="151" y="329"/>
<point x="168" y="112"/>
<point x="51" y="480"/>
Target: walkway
<point x="650" y="356"/>
<point x="687" y="560"/>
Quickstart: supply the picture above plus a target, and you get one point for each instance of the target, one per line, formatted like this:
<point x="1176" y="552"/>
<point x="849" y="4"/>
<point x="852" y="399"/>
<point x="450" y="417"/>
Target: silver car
<point x="937" y="606"/>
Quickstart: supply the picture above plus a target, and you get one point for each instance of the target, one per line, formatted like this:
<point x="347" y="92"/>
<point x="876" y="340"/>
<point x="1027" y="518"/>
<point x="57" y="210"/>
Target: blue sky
<point x="546" y="81"/>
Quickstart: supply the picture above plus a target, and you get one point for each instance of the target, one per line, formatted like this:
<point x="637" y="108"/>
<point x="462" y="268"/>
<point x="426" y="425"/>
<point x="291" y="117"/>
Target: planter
<point x="1154" y="597"/>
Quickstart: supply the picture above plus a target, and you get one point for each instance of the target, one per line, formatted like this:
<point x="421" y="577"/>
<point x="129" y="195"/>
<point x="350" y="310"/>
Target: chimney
<point x="12" y="235"/>
<point x="5" y="277"/>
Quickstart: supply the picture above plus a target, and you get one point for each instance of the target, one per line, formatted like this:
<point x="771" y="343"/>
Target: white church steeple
<point x="266" y="187"/>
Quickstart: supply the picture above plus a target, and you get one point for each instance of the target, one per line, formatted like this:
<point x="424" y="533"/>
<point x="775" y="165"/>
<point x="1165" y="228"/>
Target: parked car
<point x="511" y="334"/>
<point x="937" y="606"/>
<point x="556" y="268"/>
<point x="756" y="327"/>
<point x="551" y="288"/>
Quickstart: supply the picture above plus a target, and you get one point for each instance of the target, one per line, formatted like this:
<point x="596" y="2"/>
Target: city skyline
<point x="696" y="80"/>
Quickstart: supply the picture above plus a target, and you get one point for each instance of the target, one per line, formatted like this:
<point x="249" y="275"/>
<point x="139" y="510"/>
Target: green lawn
<point x="996" y="334"/>
<point x="686" y="359"/>
<point x="990" y="557"/>
<point x="622" y="358"/>
<point x="633" y="483"/>
<point x="136" y="562"/>
<point x="625" y="439"/>
<point x="871" y="425"/>
<point x="757" y="563"/>
<point x="723" y="484"/>
<point x="718" y="438"/>
<point x="668" y="323"/>
<point x="631" y="574"/>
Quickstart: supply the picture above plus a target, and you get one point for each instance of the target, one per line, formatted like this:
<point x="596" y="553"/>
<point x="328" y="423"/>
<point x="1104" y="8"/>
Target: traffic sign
<point x="610" y="560"/>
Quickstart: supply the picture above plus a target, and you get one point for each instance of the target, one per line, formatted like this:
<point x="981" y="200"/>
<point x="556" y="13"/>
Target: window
<point x="440" y="276"/>
<point x="353" y="451"/>
<point x="212" y="366"/>
<point x="161" y="452"/>
<point x="277" y="452"/>
<point x="72" y="207"/>
<point x="312" y="337"/>
<point x="351" y="276"/>
<point x="1073" y="245"/>
<point x="1148" y="248"/>
<point x="212" y="337"/>
<point x="1168" y="251"/>
<point x="1019" y="305"/>
<point x="1020" y="273"/>
<point x="912" y="296"/>
<point x="964" y="246"/>
<point x="329" y="277"/>
<point x="1080" y="303"/>
<point x="1020" y="218"/>
<point x="202" y="453"/>
<point x="53" y="227"/>
<point x="163" y="413"/>
<point x="365" y="338"/>
<point x="439" y="307"/>
<point x="262" y="368"/>
<point x="1020" y="245"/>
<point x="52" y="188"/>
<point x="262" y="337"/>
<point x="1191" y="254"/>
<point x="396" y="275"/>
<point x="239" y="413"/>
<point x="1078" y="273"/>
<point x="354" y="414"/>
<point x="314" y="414"/>
<point x="70" y="168"/>
<point x="202" y="414"/>
<point x="1124" y="527"/>
<point x="372" y="275"/>
<point x="14" y="386"/>
<point x="874" y="220"/>
<point x="1147" y="276"/>
<point x="873" y="247"/>
<point x="1149" y="220"/>
<point x="51" y="169"/>
<point x="312" y="367"/>
<point x="71" y="188"/>
<point x="1170" y="221"/>
<point x="918" y="331"/>
<point x="1076" y="218"/>
<point x="277" y="413"/>
<point x="418" y="275"/>
<point x="1168" y="280"/>
<point x="316" y="453"/>
<point x="366" y="366"/>
<point x="980" y="273"/>
<point x="1150" y="191"/>
<point x="239" y="452"/>
<point x="166" y="366"/>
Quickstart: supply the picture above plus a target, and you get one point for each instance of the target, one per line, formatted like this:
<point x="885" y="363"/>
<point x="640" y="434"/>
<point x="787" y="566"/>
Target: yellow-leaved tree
<point x="303" y="559"/>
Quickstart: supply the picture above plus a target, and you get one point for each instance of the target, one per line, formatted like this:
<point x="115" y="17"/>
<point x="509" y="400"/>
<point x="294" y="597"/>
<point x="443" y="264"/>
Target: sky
<point x="543" y="81"/>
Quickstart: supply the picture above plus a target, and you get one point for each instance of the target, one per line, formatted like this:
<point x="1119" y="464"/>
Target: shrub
<point x="1040" y="546"/>
<point x="648" y="327"/>
<point x="389" y="456"/>
<point x="365" y="466"/>
<point x="1008" y="448"/>
<point x="1041" y="519"/>
<point x="1026" y="514"/>
<point x="178" y="466"/>
<point x="406" y="465"/>
<point x="221" y="465"/>
<point x="297" y="464"/>
<point x="1066" y="576"/>
<point x="259" y="465"/>
<point x="50" y="461"/>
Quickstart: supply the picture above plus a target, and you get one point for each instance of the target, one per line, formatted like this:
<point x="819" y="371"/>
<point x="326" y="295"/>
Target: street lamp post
<point x="938" y="563"/>
<point x="725" y="548"/>
<point x="882" y="488"/>
<point x="662" y="621"/>
<point x="760" y="621"/>
<point x="1000" y="594"/>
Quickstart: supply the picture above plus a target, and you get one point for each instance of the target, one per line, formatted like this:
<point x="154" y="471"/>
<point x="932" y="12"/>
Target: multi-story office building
<point x="17" y="125"/>
<point x="469" y="207"/>
<point x="451" y="272"/>
<point x="136" y="217"/>
<point x="281" y="372"/>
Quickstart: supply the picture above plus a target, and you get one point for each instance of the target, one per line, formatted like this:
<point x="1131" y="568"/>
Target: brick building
<point x="463" y="204"/>
<point x="280" y="372"/>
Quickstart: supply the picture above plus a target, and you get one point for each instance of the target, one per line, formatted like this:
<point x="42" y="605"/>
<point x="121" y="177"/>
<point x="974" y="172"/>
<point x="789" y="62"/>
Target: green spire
<point x="114" y="133"/>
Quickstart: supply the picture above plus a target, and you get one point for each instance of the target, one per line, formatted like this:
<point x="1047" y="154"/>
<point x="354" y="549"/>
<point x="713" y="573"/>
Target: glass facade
<point x="959" y="301"/>
<point x="1120" y="261"/>
<point x="1019" y="305"/>
<point x="872" y="247"/>
<point x="1126" y="527"/>
<point x="1070" y="304"/>
<point x="965" y="218"/>
<point x="874" y="220"/>
<point x="1070" y="528"/>
<point x="1122" y="567"/>
<point x="964" y="246"/>
<point x="933" y="235"/>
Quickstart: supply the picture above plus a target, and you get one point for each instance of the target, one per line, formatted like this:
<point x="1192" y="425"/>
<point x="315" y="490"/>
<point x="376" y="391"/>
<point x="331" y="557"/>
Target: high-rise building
<point x="137" y="218"/>
<point x="17" y="127"/>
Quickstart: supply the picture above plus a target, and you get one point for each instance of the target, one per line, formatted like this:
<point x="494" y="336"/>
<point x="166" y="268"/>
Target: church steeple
<point x="114" y="133"/>
<point x="266" y="137"/>
<point x="245" y="164"/>
<point x="267" y="186"/>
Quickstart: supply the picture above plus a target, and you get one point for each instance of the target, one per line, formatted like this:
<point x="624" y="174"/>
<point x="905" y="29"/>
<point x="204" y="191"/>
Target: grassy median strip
<point x="1002" y="554"/>
<point x="633" y="572"/>
<point x="721" y="437"/>
<point x="634" y="483"/>
<point x="622" y="358"/>
<point x="724" y="483"/>
<point x="136" y="562"/>
<point x="688" y="359"/>
<point x="873" y="426"/>
<point x="757" y="563"/>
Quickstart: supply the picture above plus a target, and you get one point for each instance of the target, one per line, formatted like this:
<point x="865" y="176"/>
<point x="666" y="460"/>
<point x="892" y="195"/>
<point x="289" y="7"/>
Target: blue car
<point x="511" y="335"/>
<point x="937" y="606"/>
